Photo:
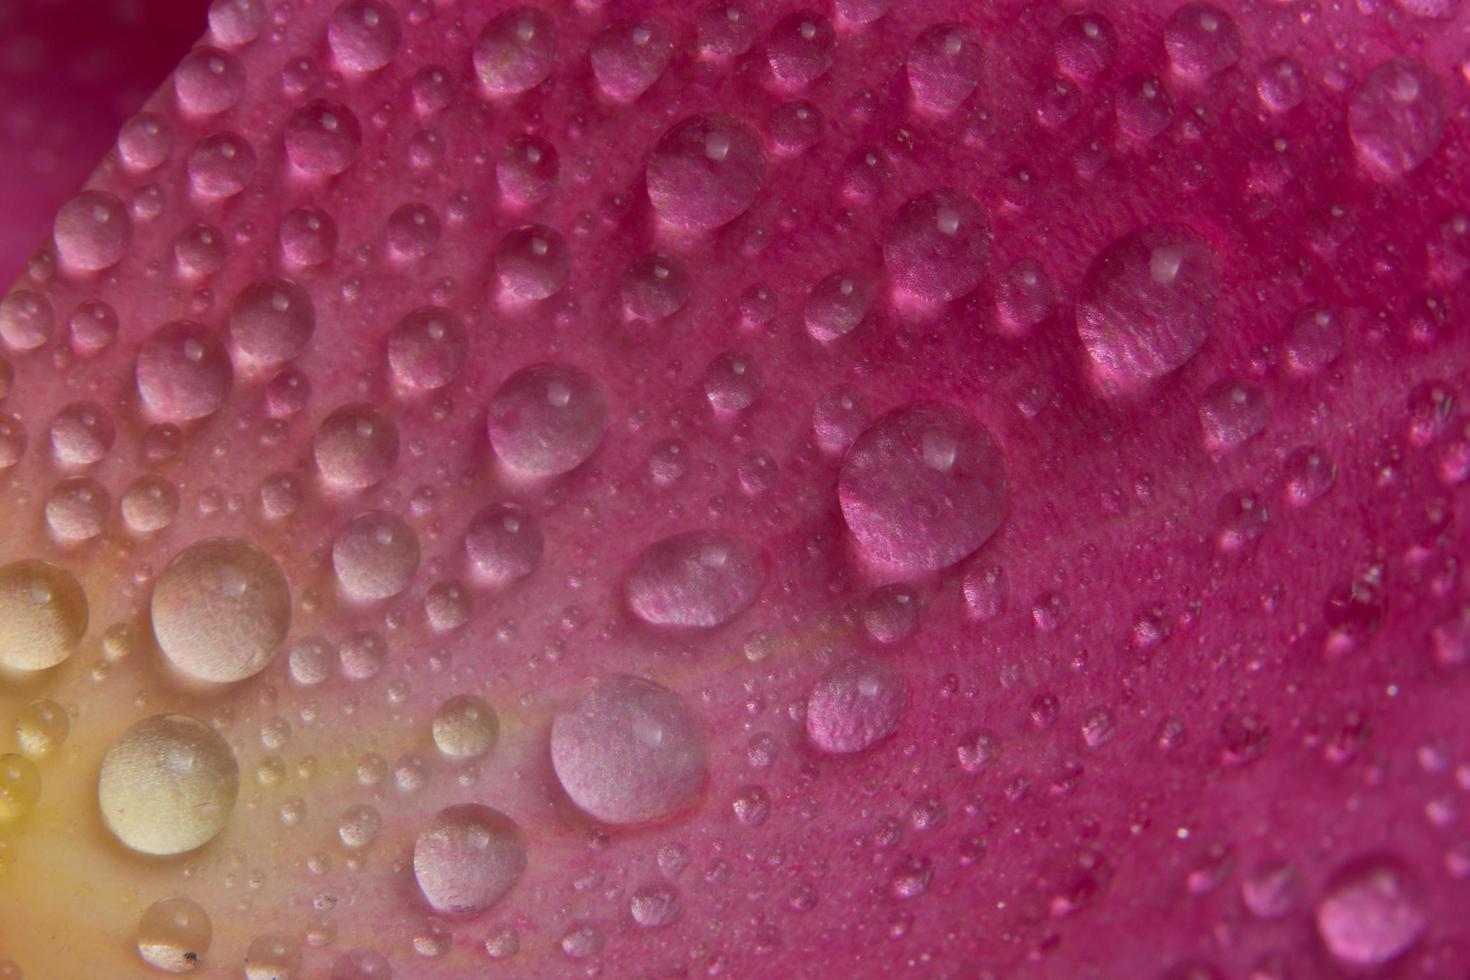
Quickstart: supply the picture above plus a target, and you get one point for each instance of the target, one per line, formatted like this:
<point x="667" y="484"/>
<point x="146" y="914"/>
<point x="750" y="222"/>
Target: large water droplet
<point x="92" y="231"/>
<point x="924" y="486"/>
<point x="503" y="543"/>
<point x="1371" y="914"/>
<point x="696" y="579"/>
<point x="355" y="447"/>
<point x="547" y="419"/>
<point x="705" y="172"/>
<point x="364" y="34"/>
<point x="937" y="245"/>
<point x="855" y="705"/>
<point x="1147" y="303"/>
<point x="272" y="320"/>
<point x="208" y="81"/>
<point x="467" y="858"/>
<point x="1396" y="117"/>
<point x="944" y="66"/>
<point x="515" y="52"/>
<point x="629" y="57"/>
<point x="168" y="785"/>
<point x="174" y="934"/>
<point x="43" y="614"/>
<point x="221" y="610"/>
<point x="628" y="751"/>
<point x="323" y="138"/>
<point x="184" y="372"/>
<point x="375" y="556"/>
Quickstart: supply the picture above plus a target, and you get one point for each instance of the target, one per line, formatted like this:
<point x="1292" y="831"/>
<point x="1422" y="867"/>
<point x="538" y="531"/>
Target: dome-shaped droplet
<point x="503" y="543"/>
<point x="26" y="320"/>
<point x="944" y="66"/>
<point x="1146" y="304"/>
<point x="174" y="934"/>
<point x="323" y="138"/>
<point x="937" y="246"/>
<point x="726" y="30"/>
<point x="43" y="615"/>
<point x="414" y="231"/>
<point x="272" y="320"/>
<point x="81" y="434"/>
<point x="465" y="727"/>
<point x="923" y="486"/>
<point x="92" y="231"/>
<point x="1230" y="412"/>
<point x="209" y="81"/>
<point x="145" y="142"/>
<point x="838" y="304"/>
<point x="528" y="172"/>
<point x="731" y="383"/>
<point x="1281" y="84"/>
<point x="20" y="786"/>
<point x="273" y="957"/>
<point x="1396" y="117"/>
<point x="696" y="579"/>
<point x="532" y="263"/>
<point x="628" y="57"/>
<point x="221" y="166"/>
<point x="355" y="447"/>
<point x="838" y="418"/>
<point x="41" y="727"/>
<point x="855" y="705"/>
<point x="655" y="905"/>
<point x="220" y="610"/>
<point x="1086" y="44"/>
<point x="515" y="52"/>
<point x="547" y="419"/>
<point x="795" y="127"/>
<point x="199" y="251"/>
<point x="655" y="287"/>
<point x="468" y="858"/>
<point x="1143" y="107"/>
<point x="237" y="22"/>
<point x="705" y="172"/>
<point x="1202" y="40"/>
<point x="800" y="49"/>
<point x="184" y="372"/>
<point x="149" y="504"/>
<point x="375" y="556"/>
<point x="308" y="237"/>
<point x="628" y="751"/>
<point x="76" y="510"/>
<point x="1371" y="914"/>
<point x="168" y="785"/>
<point x="359" y="826"/>
<point x="427" y="348"/>
<point x="364" y="34"/>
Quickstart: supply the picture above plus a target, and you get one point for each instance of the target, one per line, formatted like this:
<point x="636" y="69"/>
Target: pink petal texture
<point x="750" y="489"/>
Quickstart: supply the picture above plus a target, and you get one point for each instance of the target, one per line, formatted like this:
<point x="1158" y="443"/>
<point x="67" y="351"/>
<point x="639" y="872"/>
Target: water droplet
<point x="364" y="34"/>
<point x="751" y="805"/>
<point x="705" y="172"/>
<point x="26" y="320"/>
<point x="272" y="956"/>
<point x="515" y="52"/>
<point x="1147" y="303"/>
<point x="1143" y="107"/>
<point x="547" y="419"/>
<point x="1371" y="913"/>
<point x="414" y="231"/>
<point x="308" y="237"/>
<point x="532" y="263"/>
<point x="628" y="751"/>
<point x="43" y="615"/>
<point x="732" y="383"/>
<point x="361" y="964"/>
<point x="145" y="142"/>
<point x="168" y="785"/>
<point x="149" y="504"/>
<point x="528" y="173"/>
<point x="891" y="613"/>
<point x="655" y="904"/>
<point x="1281" y="84"/>
<point x="654" y="287"/>
<point x="503" y="543"/>
<point x="696" y="579"/>
<point x="1231" y="412"/>
<point x="183" y="372"/>
<point x="208" y="81"/>
<point x="359" y="826"/>
<point x="467" y="858"/>
<point x="41" y="727"/>
<point x="356" y="447"/>
<point x="174" y="934"/>
<point x="92" y="231"/>
<point x="628" y="57"/>
<point x="220" y="610"/>
<point x="20" y="786"/>
<point x="838" y="304"/>
<point x="272" y="320"/>
<point x="725" y="31"/>
<point x="323" y="138"/>
<point x="1086" y="44"/>
<point x="855" y="705"/>
<point x="465" y="727"/>
<point x="1202" y="40"/>
<point x="800" y="49"/>
<point x="944" y="66"/>
<point x="375" y="556"/>
<point x="924" y="486"/>
<point x="1396" y="118"/>
<point x="221" y="165"/>
<point x="234" y="23"/>
<point x="937" y="245"/>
